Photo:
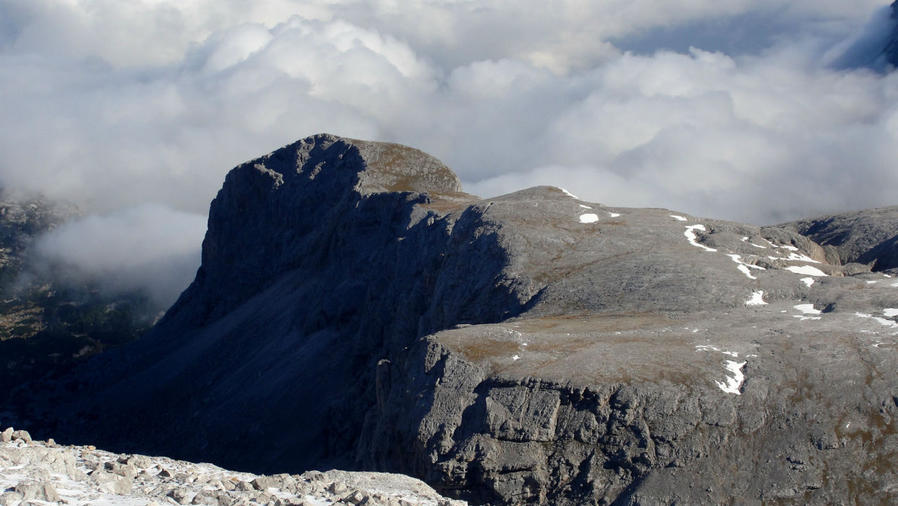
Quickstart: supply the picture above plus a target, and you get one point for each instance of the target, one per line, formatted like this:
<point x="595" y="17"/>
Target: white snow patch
<point x="585" y="206"/>
<point x="894" y="285"/>
<point x="690" y="236"/>
<point x="744" y="267"/>
<point x="807" y="309"/>
<point x="708" y="347"/>
<point x="569" y="194"/>
<point x="758" y="245"/>
<point x="757" y="299"/>
<point x="873" y="282"/>
<point x="678" y="217"/>
<point x="886" y="276"/>
<point x="515" y="357"/>
<point x="890" y="312"/>
<point x="733" y="383"/>
<point x="808" y="281"/>
<point x="885" y="322"/>
<point x="882" y="321"/>
<point x="807" y="270"/>
<point x="809" y="313"/>
<point x="795" y="257"/>
<point x="613" y="215"/>
<point x="589" y="218"/>
<point x="745" y="238"/>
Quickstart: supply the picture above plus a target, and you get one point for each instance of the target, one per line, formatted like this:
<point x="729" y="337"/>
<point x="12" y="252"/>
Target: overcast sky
<point x="753" y="110"/>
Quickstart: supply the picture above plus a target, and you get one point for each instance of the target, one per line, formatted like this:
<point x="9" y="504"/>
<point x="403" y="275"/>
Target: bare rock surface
<point x="866" y="237"/>
<point x="355" y="310"/>
<point x="38" y="472"/>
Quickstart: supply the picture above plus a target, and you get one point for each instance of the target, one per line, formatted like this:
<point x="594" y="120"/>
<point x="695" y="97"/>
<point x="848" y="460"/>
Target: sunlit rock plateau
<point x="355" y="309"/>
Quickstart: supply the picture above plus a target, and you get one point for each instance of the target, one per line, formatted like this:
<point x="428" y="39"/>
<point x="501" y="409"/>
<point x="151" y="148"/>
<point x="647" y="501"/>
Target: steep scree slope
<point x="354" y="309"/>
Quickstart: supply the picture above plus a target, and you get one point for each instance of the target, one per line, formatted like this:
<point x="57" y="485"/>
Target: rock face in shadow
<point x="866" y="237"/>
<point x="354" y="309"/>
<point x="312" y="272"/>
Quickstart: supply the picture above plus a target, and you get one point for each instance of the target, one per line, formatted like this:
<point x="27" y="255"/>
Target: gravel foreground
<point x="39" y="472"/>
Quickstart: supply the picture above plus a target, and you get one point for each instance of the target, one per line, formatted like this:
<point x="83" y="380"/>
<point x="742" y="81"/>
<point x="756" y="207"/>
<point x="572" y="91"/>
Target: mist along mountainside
<point x="355" y="309"/>
<point x="50" y="320"/>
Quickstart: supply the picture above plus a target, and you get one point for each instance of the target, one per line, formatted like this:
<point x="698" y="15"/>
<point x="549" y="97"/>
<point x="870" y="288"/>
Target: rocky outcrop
<point x="354" y="309"/>
<point x="867" y="237"/>
<point x="314" y="269"/>
<point x="41" y="471"/>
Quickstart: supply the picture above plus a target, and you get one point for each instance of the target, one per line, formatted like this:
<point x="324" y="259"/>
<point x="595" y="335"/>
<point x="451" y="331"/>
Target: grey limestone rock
<point x="28" y="476"/>
<point x="865" y="237"/>
<point x="355" y="309"/>
<point x="21" y="434"/>
<point x="111" y="483"/>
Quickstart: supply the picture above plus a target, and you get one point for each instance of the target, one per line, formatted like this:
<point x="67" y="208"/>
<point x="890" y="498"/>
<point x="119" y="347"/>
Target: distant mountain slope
<point x="866" y="237"/>
<point x="355" y="309"/>
<point x="48" y="322"/>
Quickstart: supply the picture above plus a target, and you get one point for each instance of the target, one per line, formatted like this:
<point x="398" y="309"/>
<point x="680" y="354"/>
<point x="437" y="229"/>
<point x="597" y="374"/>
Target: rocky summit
<point x="355" y="309"/>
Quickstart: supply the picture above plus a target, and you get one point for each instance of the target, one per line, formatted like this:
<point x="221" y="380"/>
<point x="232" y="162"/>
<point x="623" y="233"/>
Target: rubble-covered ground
<point x="38" y="472"/>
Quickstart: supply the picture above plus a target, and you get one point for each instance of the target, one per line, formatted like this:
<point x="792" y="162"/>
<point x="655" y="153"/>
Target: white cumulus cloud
<point x="762" y="110"/>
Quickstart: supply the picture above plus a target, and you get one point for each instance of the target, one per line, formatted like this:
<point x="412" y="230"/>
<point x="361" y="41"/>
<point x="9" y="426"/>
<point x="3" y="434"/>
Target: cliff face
<point x="311" y="274"/>
<point x="355" y="309"/>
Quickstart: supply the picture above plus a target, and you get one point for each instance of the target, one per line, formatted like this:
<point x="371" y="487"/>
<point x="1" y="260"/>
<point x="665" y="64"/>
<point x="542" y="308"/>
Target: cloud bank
<point x="147" y="248"/>
<point x="754" y="110"/>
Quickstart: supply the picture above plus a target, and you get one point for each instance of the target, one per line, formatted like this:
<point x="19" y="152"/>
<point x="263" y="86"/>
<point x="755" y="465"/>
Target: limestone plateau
<point x="356" y="310"/>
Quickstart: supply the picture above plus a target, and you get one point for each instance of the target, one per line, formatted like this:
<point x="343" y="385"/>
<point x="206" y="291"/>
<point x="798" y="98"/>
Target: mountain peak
<point x="379" y="166"/>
